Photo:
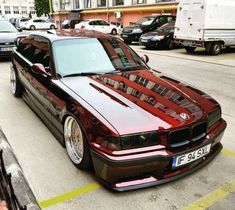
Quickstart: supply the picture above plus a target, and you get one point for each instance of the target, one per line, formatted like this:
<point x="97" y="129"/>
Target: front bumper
<point x="6" y="53"/>
<point x="150" y="43"/>
<point x="129" y="172"/>
<point x="131" y="36"/>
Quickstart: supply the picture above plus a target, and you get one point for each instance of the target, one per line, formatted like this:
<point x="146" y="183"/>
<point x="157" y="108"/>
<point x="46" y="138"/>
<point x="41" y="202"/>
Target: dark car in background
<point x="69" y="24"/>
<point x="145" y="24"/>
<point x="160" y="38"/>
<point x="8" y="33"/>
<point x="136" y="126"/>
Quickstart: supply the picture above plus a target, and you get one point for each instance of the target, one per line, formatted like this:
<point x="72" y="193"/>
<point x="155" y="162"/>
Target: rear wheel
<point x="190" y="49"/>
<point x="114" y="31"/>
<point x="52" y="27"/>
<point x="170" y="44"/>
<point x="32" y="28"/>
<point x="76" y="144"/>
<point x="16" y="87"/>
<point x="216" y="48"/>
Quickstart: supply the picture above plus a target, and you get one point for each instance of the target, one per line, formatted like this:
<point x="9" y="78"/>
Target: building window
<point x="77" y="4"/>
<point x="101" y="3"/>
<point x="7" y="10"/>
<point x="118" y="2"/>
<point x="87" y="3"/>
<point x="23" y="10"/>
<point x="16" y="10"/>
<point x="32" y="10"/>
<point x="138" y="2"/>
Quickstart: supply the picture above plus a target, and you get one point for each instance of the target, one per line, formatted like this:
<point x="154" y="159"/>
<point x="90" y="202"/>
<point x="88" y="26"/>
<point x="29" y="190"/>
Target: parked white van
<point x="205" y="23"/>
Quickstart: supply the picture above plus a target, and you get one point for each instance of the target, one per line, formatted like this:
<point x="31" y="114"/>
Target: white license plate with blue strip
<point x="191" y="156"/>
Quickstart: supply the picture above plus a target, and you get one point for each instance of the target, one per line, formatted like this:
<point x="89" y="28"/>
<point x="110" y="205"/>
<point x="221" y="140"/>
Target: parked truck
<point x="205" y="23"/>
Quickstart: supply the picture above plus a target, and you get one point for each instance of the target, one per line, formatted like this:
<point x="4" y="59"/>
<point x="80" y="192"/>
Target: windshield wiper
<point x="83" y="74"/>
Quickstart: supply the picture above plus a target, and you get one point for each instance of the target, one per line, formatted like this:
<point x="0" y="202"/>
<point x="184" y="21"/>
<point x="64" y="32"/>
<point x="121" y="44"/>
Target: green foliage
<point x="42" y="7"/>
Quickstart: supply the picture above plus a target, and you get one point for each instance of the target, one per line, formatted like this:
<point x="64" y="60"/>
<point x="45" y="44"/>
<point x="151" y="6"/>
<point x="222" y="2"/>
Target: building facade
<point x="17" y="8"/>
<point x="119" y="12"/>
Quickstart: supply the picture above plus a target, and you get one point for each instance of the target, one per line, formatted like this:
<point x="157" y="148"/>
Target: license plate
<point x="191" y="156"/>
<point x="6" y="49"/>
<point x="187" y="43"/>
<point x="124" y="35"/>
<point x="144" y="40"/>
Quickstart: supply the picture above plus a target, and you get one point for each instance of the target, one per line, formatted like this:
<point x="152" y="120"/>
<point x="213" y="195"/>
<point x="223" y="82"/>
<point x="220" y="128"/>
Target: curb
<point x="20" y="185"/>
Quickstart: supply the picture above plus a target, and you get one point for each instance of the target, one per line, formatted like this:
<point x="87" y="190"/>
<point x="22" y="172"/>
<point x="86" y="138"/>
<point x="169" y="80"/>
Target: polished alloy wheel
<point x="73" y="140"/>
<point x="13" y="81"/>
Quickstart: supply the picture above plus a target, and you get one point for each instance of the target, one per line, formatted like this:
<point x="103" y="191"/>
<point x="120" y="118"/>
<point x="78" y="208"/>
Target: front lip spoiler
<point x="151" y="181"/>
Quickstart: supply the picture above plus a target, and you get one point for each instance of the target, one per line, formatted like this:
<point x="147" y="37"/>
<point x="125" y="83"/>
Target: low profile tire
<point x="32" y="28"/>
<point x="16" y="87"/>
<point x="76" y="144"/>
<point x="216" y="48"/>
<point x="114" y="32"/>
<point x="52" y="27"/>
<point x="190" y="49"/>
<point x="169" y="44"/>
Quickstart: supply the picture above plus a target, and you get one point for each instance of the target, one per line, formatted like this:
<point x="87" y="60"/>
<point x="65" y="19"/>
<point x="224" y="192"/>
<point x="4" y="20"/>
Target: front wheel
<point x="76" y="144"/>
<point x="190" y="49"/>
<point x="32" y="28"/>
<point x="16" y="87"/>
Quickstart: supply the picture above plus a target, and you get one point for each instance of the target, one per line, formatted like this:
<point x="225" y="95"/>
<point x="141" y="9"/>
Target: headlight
<point x="213" y="117"/>
<point x="137" y="30"/>
<point x="133" y="141"/>
<point x="157" y="38"/>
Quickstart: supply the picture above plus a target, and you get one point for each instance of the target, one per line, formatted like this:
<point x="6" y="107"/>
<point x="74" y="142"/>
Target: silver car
<point x="7" y="35"/>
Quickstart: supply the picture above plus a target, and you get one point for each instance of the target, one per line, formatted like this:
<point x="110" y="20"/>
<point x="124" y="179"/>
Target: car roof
<point x="67" y="34"/>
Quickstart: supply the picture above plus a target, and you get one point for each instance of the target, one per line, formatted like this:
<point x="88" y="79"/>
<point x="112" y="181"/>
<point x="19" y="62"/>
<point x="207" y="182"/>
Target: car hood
<point x="8" y="37"/>
<point x="154" y="33"/>
<point x="141" y="101"/>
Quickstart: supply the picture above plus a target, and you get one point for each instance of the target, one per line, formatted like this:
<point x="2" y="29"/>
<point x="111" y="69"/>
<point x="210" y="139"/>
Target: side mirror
<point x="18" y="39"/>
<point x="40" y="69"/>
<point x="145" y="58"/>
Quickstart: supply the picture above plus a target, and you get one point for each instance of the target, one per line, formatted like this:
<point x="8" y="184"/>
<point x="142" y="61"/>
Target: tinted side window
<point x="26" y="48"/>
<point x="101" y="22"/>
<point x="92" y="23"/>
<point x="169" y="19"/>
<point x="35" y="49"/>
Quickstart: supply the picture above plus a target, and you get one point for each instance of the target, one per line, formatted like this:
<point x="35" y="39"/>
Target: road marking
<point x="69" y="195"/>
<point x="213" y="197"/>
<point x="228" y="152"/>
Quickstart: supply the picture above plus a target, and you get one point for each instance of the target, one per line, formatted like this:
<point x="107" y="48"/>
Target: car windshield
<point x="5" y="26"/>
<point x="145" y="21"/>
<point x="91" y="55"/>
<point x="166" y="27"/>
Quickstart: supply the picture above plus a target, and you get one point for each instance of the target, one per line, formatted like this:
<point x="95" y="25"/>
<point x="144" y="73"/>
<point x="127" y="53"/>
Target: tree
<point x="42" y="7"/>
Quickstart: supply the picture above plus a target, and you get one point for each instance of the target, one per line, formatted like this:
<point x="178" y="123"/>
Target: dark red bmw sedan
<point x="135" y="126"/>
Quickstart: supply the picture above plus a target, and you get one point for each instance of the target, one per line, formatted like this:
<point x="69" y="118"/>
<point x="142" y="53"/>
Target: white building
<point x="16" y="8"/>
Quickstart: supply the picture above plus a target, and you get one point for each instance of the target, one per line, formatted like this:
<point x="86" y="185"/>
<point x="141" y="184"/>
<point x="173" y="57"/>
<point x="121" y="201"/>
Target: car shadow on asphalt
<point x="4" y="60"/>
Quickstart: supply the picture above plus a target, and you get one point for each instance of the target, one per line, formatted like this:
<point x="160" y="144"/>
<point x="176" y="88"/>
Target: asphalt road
<point x="50" y="172"/>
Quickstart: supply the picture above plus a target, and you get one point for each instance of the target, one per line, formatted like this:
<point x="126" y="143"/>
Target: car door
<point x="35" y="50"/>
<point x="103" y="26"/>
<point x="92" y="25"/>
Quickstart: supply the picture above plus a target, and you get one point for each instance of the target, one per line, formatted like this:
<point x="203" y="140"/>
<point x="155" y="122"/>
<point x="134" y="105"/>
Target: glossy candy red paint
<point x="135" y="120"/>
